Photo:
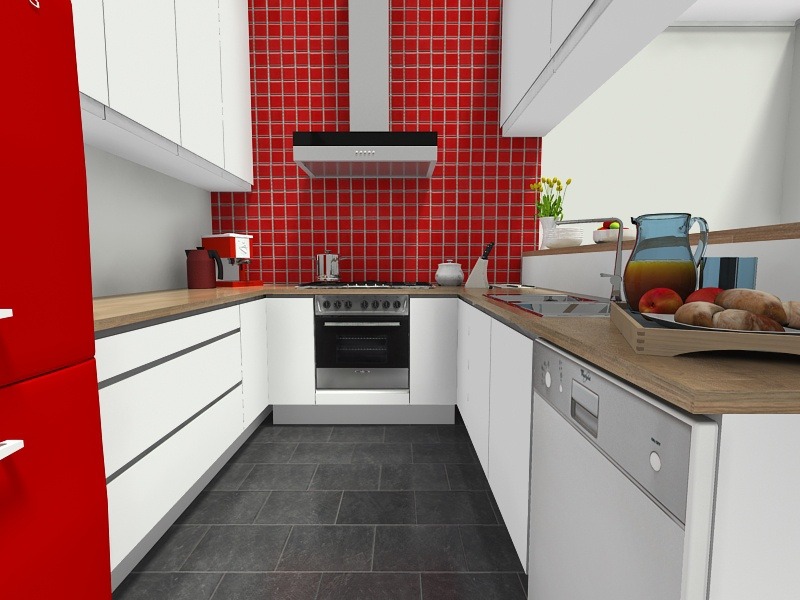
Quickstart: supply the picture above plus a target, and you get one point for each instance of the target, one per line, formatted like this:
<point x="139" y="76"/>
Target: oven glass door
<point x="362" y="352"/>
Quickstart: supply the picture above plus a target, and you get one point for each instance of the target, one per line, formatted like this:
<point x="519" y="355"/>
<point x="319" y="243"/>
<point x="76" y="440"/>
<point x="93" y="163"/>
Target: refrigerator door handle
<point x="8" y="447"/>
<point x="6" y="313"/>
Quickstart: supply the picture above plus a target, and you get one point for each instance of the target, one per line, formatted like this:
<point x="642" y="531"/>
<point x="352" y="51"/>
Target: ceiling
<point x="755" y="11"/>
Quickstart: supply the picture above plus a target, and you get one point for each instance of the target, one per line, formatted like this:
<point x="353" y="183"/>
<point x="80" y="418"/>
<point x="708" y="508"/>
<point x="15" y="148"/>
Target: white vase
<point x="546" y="225"/>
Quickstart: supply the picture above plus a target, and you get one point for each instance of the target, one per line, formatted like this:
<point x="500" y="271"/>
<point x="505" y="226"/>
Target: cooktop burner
<point x="366" y="284"/>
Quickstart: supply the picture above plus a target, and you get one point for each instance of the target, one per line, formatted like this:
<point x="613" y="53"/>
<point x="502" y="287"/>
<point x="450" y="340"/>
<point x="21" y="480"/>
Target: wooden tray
<point x="648" y="337"/>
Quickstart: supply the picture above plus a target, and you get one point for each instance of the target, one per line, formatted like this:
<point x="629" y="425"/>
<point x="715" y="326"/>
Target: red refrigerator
<point x="53" y="507"/>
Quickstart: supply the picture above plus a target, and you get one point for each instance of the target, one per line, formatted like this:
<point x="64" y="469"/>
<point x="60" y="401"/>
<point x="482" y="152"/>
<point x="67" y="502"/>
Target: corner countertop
<point x="700" y="383"/>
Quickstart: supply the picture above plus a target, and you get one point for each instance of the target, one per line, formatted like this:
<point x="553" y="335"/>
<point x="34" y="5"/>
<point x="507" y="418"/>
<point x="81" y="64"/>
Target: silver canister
<point x="728" y="272"/>
<point x="327" y="266"/>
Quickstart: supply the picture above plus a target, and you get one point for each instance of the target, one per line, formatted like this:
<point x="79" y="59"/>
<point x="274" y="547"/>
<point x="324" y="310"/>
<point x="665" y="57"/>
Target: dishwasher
<point x="622" y="489"/>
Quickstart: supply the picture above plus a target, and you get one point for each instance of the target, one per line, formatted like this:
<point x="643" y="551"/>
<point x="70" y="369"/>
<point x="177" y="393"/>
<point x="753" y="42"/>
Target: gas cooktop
<point x="366" y="285"/>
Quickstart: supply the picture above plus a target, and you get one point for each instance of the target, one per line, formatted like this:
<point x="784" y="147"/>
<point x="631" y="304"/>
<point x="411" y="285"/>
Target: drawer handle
<point x="34" y="3"/>
<point x="6" y="313"/>
<point x="8" y="447"/>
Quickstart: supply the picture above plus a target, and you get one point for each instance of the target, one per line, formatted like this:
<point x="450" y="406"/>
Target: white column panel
<point x="290" y="350"/>
<point x="434" y="345"/>
<point x="255" y="382"/>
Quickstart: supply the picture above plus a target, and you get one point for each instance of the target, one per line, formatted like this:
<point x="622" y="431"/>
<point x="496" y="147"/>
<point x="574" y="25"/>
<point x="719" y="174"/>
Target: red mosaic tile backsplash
<point x="445" y="63"/>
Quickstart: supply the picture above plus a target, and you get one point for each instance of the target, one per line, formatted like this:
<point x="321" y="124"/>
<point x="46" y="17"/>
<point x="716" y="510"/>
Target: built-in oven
<point x="361" y="342"/>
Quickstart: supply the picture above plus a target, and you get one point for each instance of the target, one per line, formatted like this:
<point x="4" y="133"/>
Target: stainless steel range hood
<point x="369" y="149"/>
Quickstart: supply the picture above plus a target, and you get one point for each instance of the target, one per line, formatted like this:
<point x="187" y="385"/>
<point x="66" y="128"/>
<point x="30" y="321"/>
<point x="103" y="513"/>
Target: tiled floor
<point x="344" y="512"/>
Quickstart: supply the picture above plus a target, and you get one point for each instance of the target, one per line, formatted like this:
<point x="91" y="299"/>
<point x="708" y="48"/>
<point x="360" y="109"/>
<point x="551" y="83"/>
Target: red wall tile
<point x="445" y="57"/>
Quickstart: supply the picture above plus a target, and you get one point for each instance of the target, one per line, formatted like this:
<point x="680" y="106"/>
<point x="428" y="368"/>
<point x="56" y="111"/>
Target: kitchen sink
<point x="557" y="305"/>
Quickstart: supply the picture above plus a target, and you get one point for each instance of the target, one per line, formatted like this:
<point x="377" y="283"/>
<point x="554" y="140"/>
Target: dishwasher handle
<point x="585" y="407"/>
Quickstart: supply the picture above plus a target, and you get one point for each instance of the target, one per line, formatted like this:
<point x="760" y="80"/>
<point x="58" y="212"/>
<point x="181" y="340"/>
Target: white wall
<point x="790" y="208"/>
<point x="140" y="222"/>
<point x="695" y="123"/>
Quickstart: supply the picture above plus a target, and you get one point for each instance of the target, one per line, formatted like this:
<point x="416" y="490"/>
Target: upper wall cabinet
<point x="90" y="48"/>
<point x="588" y="42"/>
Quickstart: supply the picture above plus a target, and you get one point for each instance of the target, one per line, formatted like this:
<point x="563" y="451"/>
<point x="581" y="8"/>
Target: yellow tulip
<point x="569" y="181"/>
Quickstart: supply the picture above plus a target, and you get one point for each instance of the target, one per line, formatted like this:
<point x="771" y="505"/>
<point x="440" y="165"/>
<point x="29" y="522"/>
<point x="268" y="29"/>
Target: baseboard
<point x="316" y="414"/>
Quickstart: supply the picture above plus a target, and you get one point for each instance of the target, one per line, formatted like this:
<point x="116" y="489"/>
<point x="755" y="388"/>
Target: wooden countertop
<point x="700" y="383"/>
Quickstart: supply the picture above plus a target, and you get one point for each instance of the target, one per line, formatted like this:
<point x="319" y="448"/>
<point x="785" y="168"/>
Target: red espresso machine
<point x="235" y="251"/>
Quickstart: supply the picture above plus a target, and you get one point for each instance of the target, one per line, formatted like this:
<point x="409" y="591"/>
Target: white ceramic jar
<point x="449" y="273"/>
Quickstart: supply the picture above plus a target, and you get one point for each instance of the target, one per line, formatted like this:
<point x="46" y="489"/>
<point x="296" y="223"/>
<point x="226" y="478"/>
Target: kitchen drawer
<point x="141" y="496"/>
<point x="139" y="411"/>
<point x="123" y="352"/>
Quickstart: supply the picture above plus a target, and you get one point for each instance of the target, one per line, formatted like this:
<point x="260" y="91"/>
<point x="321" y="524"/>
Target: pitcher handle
<point x="701" y="245"/>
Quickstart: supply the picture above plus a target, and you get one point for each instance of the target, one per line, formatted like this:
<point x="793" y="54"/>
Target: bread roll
<point x="697" y="313"/>
<point x="744" y="321"/>
<point x="792" y="309"/>
<point x="754" y="301"/>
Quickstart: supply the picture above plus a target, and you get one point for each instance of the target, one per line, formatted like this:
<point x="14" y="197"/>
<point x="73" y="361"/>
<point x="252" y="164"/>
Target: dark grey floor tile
<point x="279" y="477"/>
<point x="412" y="433"/>
<point x="454" y="508"/>
<point x="304" y="433"/>
<point x="346" y="477"/>
<point x="322" y="453"/>
<point x="173" y="548"/>
<point x="369" y="586"/>
<point x="268" y="586"/>
<point x="238" y="548"/>
<point x="467" y="477"/>
<point x="495" y="508"/>
<point x="418" y="548"/>
<point x="443" y="453"/>
<point x="224" y="508"/>
<point x="382" y="453"/>
<point x="489" y="548"/>
<point x="167" y="586"/>
<point x="305" y="508"/>
<point x="414" y="477"/>
<point x="357" y="433"/>
<point x="264" y="434"/>
<point x="523" y="579"/>
<point x="453" y="434"/>
<point x="265" y="453"/>
<point x="328" y="548"/>
<point x="229" y="478"/>
<point x="471" y="586"/>
<point x="372" y="508"/>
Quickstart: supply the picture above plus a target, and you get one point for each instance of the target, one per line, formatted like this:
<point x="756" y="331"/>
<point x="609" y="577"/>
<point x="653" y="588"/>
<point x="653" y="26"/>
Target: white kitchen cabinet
<point x="510" y="402"/>
<point x="474" y="339"/>
<point x="433" y="350"/>
<point x="90" y="48"/>
<point x="235" y="52"/>
<point x="142" y="62"/>
<point x="199" y="78"/>
<point x="290" y="350"/>
<point x="598" y="39"/>
<point x="255" y="381"/>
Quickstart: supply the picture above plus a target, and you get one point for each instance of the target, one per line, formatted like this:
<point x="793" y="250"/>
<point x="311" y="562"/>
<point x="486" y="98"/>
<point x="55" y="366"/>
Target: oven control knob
<point x="397" y="304"/>
<point x="386" y="304"/>
<point x="337" y="304"/>
<point x="375" y="304"/>
<point x="326" y="304"/>
<point x="364" y="305"/>
<point x="348" y="304"/>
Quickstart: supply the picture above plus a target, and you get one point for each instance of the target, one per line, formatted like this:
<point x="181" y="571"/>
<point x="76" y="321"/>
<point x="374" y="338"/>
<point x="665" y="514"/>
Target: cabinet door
<point x="565" y="16"/>
<point x="53" y="511"/>
<point x="143" y="63"/>
<point x="434" y="342"/>
<point x="525" y="49"/>
<point x="290" y="350"/>
<point x="199" y="78"/>
<point x="45" y="220"/>
<point x="90" y="48"/>
<point x="238" y="123"/>
<point x="473" y="376"/>
<point x="255" y="382"/>
<point x="510" y="402"/>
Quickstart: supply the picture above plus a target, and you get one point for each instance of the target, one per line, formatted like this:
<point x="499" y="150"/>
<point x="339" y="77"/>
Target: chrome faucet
<point x="616" y="277"/>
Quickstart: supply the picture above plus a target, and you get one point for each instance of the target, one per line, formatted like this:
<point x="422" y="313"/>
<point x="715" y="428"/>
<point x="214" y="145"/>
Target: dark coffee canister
<point x="200" y="271"/>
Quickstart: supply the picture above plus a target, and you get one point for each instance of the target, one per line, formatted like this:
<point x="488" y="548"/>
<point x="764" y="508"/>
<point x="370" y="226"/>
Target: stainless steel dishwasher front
<point x="622" y="489"/>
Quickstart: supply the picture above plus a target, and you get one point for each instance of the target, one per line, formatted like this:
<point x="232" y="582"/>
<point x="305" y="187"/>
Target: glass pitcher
<point x="662" y="257"/>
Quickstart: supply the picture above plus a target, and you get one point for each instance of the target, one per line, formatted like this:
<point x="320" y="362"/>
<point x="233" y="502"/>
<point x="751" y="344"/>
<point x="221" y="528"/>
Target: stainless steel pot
<point x="327" y="266"/>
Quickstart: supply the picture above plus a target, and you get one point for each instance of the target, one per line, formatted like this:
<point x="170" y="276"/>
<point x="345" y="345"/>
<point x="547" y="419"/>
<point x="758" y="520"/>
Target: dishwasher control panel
<point x="641" y="436"/>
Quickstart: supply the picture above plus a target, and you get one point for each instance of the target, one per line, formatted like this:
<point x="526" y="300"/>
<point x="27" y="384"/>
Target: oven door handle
<point x="361" y="324"/>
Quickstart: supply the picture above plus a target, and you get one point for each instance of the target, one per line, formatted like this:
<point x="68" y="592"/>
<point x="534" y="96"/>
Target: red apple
<point x="708" y="294"/>
<point x="662" y="301"/>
